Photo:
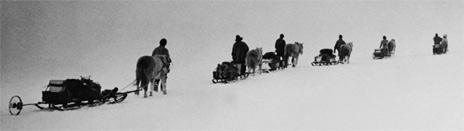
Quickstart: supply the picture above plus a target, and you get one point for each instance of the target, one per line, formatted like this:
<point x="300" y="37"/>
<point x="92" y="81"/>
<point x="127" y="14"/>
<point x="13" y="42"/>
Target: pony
<point x="292" y="50"/>
<point x="391" y="46"/>
<point x="151" y="69"/>
<point x="345" y="52"/>
<point x="444" y="43"/>
<point x="254" y="58"/>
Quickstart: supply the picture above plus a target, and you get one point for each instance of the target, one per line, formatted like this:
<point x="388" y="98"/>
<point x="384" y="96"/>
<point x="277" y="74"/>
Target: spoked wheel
<point x="16" y="105"/>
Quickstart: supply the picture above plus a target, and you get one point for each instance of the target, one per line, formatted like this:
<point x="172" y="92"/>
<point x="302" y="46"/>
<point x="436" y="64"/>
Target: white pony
<point x="293" y="50"/>
<point x="151" y="69"/>
<point x="254" y="58"/>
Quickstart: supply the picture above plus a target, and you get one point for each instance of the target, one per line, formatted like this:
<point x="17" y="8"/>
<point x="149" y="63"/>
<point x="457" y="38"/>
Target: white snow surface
<point x="413" y="90"/>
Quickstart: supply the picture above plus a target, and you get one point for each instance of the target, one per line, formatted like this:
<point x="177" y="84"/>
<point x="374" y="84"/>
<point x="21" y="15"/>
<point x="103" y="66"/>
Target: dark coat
<point x="280" y="47"/>
<point x="161" y="50"/>
<point x="239" y="51"/>
<point x="339" y="43"/>
<point x="383" y="44"/>
<point x="437" y="39"/>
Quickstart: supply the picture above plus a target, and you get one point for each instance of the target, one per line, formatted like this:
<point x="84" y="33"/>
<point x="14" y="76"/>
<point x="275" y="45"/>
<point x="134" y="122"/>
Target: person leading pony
<point x="337" y="46"/>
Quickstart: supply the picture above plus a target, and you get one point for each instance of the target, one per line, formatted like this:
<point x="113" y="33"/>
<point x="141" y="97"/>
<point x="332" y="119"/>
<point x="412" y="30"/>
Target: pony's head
<point x="259" y="50"/>
<point x="300" y="47"/>
<point x="253" y="52"/>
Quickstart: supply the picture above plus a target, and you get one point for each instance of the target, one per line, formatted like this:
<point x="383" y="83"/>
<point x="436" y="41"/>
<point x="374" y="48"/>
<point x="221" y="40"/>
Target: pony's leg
<point x="293" y="61"/>
<point x="152" y="86"/>
<point x="347" y="59"/>
<point x="163" y="85"/>
<point x="155" y="85"/>
<point x="137" y="91"/>
<point x="145" y="90"/>
<point x="296" y="60"/>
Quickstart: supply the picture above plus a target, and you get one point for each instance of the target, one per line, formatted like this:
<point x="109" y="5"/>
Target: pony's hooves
<point x="165" y="93"/>
<point x="151" y="94"/>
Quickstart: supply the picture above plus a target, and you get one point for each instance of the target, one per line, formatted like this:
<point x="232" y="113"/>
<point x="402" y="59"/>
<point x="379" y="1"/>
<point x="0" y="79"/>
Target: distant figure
<point x="280" y="49"/>
<point x="338" y="44"/>
<point x="437" y="39"/>
<point x="444" y="43"/>
<point x="162" y="51"/>
<point x="383" y="43"/>
<point x="239" y="52"/>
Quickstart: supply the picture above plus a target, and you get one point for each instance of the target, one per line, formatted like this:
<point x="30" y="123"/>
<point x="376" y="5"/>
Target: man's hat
<point x="238" y="37"/>
<point x="163" y="41"/>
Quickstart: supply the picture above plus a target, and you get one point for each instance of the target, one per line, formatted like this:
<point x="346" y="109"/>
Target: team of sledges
<point x="230" y="71"/>
<point x="70" y="94"/>
<point x="252" y="60"/>
<point x="74" y="93"/>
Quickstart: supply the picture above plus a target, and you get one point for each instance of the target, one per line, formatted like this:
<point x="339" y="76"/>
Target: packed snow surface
<point x="420" y="92"/>
<point x="412" y="90"/>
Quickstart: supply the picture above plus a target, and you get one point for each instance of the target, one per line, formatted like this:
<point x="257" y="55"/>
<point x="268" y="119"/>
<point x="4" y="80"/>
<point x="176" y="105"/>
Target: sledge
<point x="70" y="94"/>
<point x="381" y="53"/>
<point x="228" y="71"/>
<point x="325" y="58"/>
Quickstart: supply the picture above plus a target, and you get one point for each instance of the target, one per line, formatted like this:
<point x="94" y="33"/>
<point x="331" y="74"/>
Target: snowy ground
<point x="413" y="90"/>
<point x="397" y="93"/>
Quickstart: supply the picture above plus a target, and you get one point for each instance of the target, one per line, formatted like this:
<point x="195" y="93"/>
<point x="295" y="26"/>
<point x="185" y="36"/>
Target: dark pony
<point x="151" y="69"/>
<point x="345" y="52"/>
<point x="293" y="50"/>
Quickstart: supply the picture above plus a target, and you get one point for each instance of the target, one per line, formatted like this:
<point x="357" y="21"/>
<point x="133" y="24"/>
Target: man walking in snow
<point x="383" y="45"/>
<point x="162" y="50"/>
<point x="239" y="51"/>
<point x="437" y="39"/>
<point x="280" y="49"/>
<point x="338" y="44"/>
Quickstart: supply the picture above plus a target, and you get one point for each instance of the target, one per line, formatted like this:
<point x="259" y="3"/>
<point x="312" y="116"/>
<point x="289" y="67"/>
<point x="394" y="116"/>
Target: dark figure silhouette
<point x="163" y="51"/>
<point x="338" y="44"/>
<point x="437" y="39"/>
<point x="239" y="51"/>
<point x="384" y="45"/>
<point x="280" y="49"/>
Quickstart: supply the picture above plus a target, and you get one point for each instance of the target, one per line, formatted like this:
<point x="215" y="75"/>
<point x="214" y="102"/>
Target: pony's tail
<point x="140" y="77"/>
<point x="137" y="77"/>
